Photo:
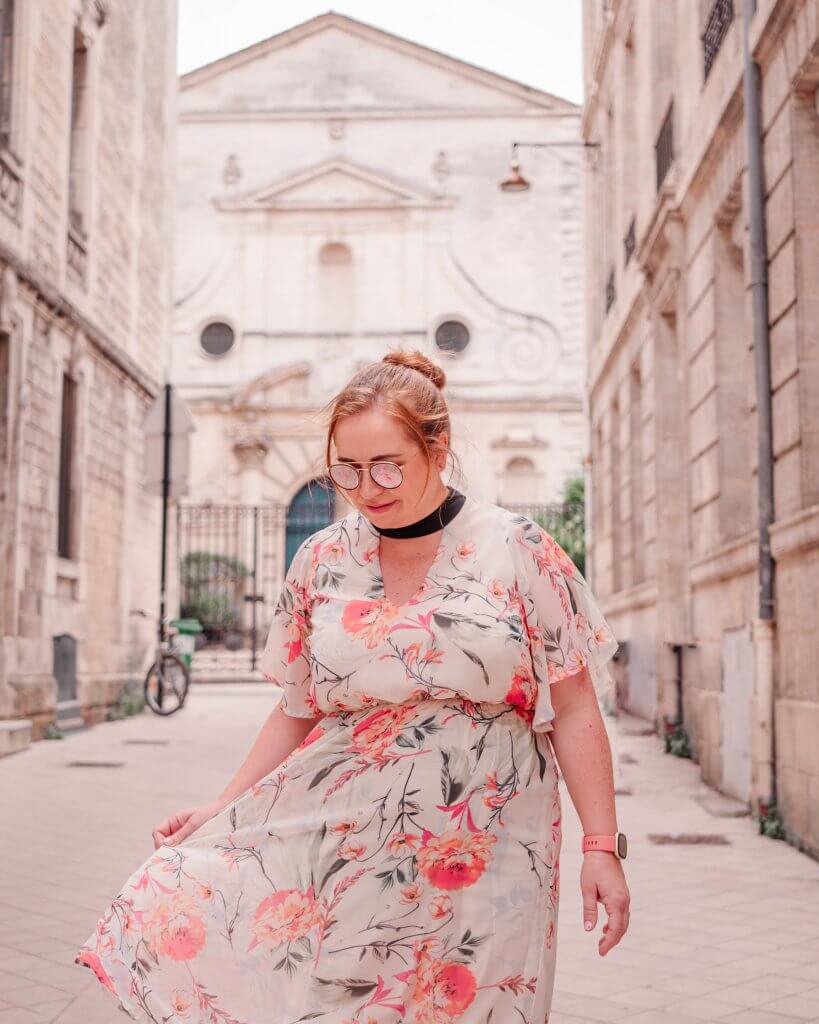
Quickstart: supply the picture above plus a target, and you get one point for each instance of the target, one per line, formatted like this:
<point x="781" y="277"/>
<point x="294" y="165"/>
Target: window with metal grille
<point x="664" y="147"/>
<point x="78" y="163"/>
<point x="716" y="27"/>
<point x="78" y="143"/>
<point x="65" y="505"/>
<point x="629" y="242"/>
<point x="6" y="68"/>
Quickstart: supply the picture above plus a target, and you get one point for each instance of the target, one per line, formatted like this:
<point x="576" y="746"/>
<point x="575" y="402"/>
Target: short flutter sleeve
<point x="286" y="657"/>
<point x="566" y="628"/>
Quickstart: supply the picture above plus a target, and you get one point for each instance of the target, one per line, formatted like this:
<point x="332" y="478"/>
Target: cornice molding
<point x="736" y="558"/>
<point x="32" y="287"/>
<point x="798" y="533"/>
<point x="274" y="114"/>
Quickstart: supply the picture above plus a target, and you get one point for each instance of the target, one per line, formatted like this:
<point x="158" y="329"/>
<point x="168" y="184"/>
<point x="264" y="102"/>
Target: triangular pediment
<point x="333" y="184"/>
<point x="336" y="62"/>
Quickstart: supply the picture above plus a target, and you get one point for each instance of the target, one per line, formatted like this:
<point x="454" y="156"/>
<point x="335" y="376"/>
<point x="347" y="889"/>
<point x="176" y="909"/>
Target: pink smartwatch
<point x="615" y="844"/>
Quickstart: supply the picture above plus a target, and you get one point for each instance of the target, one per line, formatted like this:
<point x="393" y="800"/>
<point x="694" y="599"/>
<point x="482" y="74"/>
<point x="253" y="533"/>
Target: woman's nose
<point x="368" y="489"/>
<point x="369" y="494"/>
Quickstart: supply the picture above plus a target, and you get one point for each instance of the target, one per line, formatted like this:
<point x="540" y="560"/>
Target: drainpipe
<point x="764" y="757"/>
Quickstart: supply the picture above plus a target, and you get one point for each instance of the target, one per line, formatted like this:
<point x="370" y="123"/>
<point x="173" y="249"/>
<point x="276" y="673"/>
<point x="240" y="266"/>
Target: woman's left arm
<point x="583" y="753"/>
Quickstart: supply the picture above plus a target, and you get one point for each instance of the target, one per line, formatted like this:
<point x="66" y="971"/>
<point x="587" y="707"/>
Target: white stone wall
<point x="343" y="135"/>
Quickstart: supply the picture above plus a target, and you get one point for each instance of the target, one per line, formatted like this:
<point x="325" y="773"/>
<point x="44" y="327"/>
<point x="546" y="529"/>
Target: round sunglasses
<point x="384" y="474"/>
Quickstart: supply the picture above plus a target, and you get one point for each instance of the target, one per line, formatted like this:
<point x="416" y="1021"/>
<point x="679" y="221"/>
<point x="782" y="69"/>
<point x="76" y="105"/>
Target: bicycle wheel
<point x="166" y="684"/>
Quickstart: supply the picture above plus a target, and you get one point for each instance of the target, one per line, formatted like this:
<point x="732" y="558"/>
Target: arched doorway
<point x="312" y="508"/>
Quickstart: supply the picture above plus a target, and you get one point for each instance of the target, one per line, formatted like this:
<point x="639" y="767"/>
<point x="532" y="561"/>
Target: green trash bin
<point x="185" y="639"/>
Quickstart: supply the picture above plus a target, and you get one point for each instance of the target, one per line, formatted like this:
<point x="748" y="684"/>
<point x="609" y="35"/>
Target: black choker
<point x="436" y="520"/>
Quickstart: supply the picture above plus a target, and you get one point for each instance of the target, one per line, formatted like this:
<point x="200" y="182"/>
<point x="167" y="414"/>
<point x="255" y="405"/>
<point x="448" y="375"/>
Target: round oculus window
<point x="452" y="336"/>
<point x="217" y="339"/>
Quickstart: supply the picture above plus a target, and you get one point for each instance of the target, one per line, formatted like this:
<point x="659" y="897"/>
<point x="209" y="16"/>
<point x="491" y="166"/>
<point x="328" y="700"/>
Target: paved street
<point x="718" y="933"/>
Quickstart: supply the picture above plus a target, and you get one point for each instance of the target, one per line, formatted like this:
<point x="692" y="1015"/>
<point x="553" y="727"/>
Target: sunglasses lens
<point x="344" y="476"/>
<point x="386" y="474"/>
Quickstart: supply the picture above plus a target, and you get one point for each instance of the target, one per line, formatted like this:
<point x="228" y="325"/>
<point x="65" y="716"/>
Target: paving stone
<point x="32" y="995"/>
<point x="20" y="1015"/>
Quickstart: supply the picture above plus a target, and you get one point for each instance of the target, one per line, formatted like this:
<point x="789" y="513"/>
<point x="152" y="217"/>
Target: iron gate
<point x="232" y="559"/>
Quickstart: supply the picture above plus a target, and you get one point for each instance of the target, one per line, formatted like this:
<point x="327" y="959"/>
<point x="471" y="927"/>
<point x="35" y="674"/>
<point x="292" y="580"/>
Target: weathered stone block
<point x="781" y="281"/>
<point x="15" y="735"/>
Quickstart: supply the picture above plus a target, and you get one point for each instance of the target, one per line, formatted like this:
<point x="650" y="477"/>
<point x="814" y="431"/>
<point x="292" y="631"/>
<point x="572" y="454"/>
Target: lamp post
<point x="516" y="181"/>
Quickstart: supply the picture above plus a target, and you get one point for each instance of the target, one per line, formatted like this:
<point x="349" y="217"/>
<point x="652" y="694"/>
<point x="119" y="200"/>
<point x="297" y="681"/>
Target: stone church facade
<point x="87" y="122"/>
<point x="338" y="194"/>
<point x="675" y="520"/>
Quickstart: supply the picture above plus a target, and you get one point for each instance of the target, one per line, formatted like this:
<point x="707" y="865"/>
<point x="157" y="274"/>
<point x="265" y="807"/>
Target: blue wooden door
<point x="312" y="508"/>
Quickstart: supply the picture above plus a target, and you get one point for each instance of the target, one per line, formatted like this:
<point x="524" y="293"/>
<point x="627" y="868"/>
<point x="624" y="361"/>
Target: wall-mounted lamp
<point x="516" y="181"/>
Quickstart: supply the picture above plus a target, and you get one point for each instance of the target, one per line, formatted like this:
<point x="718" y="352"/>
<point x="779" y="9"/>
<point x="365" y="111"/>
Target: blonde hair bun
<point x="417" y="361"/>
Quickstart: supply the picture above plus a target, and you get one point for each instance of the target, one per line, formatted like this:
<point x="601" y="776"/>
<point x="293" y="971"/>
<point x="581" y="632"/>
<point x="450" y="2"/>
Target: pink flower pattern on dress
<point x="283" y="917"/>
<point x="380" y="729"/>
<point x="380" y="873"/>
<point x="369" y="620"/>
<point x="443" y="989"/>
<point x="456" y="859"/>
<point x="173" y="927"/>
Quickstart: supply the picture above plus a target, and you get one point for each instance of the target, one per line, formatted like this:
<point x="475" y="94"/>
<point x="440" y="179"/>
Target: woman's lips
<point x="380" y="508"/>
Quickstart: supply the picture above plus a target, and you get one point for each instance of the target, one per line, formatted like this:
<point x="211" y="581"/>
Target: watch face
<point x="622" y="846"/>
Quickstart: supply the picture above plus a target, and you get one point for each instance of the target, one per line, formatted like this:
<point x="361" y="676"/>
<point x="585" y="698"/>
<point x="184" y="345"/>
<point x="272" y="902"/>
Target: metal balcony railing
<point x="719" y="21"/>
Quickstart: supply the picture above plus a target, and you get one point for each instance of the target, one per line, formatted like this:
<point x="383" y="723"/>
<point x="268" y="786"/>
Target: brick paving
<point x="718" y="933"/>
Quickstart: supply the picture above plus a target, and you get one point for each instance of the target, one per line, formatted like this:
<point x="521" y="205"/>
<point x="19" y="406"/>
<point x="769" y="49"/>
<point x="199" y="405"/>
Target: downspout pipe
<point x="764" y="779"/>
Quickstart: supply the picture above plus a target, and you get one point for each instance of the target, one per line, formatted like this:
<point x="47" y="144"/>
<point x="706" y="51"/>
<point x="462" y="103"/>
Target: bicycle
<point x="168" y="679"/>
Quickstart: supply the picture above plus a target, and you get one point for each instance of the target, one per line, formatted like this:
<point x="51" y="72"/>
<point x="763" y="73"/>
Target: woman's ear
<point x="441" y="450"/>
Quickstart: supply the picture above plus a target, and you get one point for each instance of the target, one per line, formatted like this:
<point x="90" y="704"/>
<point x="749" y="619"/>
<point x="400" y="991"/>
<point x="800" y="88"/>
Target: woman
<point x="388" y="852"/>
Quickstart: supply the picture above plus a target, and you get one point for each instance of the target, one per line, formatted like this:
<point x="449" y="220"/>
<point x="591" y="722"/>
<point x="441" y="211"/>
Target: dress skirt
<point x="399" y="867"/>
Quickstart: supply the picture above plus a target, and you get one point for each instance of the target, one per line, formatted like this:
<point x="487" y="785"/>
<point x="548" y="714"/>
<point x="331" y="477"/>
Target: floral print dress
<point x="402" y="863"/>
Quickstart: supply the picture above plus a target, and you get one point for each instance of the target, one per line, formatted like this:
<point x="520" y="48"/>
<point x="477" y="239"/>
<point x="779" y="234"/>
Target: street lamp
<point x="516" y="181"/>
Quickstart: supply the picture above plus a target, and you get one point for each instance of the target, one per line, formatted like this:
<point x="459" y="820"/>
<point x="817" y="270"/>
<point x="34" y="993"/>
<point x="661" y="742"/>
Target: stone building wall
<point x="672" y="382"/>
<point x="85" y="294"/>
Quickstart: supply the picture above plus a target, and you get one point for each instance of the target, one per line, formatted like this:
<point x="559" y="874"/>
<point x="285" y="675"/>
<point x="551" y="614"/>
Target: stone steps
<point x="218" y="664"/>
<point x="69" y="717"/>
<point x="15" y="735"/>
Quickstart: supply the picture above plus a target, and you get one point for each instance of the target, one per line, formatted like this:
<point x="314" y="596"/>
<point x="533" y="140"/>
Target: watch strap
<point x="616" y="844"/>
<point x="607" y="843"/>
